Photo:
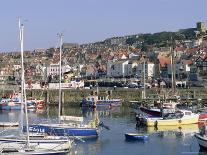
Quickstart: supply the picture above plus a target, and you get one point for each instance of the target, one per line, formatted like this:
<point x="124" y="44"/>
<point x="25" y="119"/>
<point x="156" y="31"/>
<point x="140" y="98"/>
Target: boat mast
<point x="22" y="74"/>
<point x="23" y="90"/>
<point x="60" y="77"/>
<point x="172" y="68"/>
<point x="144" y="94"/>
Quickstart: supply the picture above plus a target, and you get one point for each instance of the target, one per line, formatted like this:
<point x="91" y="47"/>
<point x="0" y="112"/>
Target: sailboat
<point x="74" y="127"/>
<point x="37" y="144"/>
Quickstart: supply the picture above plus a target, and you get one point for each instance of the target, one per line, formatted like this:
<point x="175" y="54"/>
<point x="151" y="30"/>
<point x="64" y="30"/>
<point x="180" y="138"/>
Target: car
<point x="133" y="85"/>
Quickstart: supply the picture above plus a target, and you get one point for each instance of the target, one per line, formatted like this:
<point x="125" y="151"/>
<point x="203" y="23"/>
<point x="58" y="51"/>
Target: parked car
<point x="133" y="85"/>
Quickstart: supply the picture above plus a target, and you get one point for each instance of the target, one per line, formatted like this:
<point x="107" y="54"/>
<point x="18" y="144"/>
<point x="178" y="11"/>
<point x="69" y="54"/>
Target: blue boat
<point x="58" y="130"/>
<point x="135" y="136"/>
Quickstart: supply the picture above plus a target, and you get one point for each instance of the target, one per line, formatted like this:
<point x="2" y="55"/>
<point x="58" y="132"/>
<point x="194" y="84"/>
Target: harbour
<point x="120" y="120"/>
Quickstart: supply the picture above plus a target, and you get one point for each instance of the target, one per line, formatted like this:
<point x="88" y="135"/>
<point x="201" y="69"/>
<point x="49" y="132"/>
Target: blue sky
<point x="84" y="21"/>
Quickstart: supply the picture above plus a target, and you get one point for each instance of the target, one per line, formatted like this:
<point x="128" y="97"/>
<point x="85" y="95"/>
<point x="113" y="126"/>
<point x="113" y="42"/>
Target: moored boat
<point x="182" y="117"/>
<point x="9" y="124"/>
<point x="95" y="101"/>
<point x="136" y="136"/>
<point x="167" y="107"/>
<point x="73" y="127"/>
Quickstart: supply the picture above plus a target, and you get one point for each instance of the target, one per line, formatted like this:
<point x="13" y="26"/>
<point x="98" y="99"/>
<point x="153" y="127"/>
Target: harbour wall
<point x="74" y="96"/>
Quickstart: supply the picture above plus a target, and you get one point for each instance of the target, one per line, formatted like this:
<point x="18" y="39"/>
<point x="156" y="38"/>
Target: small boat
<point x="9" y="124"/>
<point x="25" y="151"/>
<point x="202" y="141"/>
<point x="95" y="101"/>
<point x="135" y="136"/>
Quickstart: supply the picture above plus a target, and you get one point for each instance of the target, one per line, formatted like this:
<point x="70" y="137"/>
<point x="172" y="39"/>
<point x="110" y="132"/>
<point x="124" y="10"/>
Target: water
<point x="112" y="142"/>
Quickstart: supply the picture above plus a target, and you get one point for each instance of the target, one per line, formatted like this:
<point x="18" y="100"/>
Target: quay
<point x="74" y="96"/>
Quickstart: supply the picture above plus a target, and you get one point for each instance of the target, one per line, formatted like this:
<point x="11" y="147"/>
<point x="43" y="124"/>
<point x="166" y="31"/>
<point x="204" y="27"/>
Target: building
<point x="117" y="68"/>
<point x="201" y="27"/>
<point x="127" y="68"/>
<point x="53" y="69"/>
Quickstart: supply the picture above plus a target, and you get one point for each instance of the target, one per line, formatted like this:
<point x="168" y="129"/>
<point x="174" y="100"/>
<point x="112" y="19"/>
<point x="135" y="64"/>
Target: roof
<point x="164" y="61"/>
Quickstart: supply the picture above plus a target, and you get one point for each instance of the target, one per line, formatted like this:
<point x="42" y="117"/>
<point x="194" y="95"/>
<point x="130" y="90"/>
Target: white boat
<point x="95" y="101"/>
<point x="9" y="124"/>
<point x="37" y="141"/>
<point x="25" y="151"/>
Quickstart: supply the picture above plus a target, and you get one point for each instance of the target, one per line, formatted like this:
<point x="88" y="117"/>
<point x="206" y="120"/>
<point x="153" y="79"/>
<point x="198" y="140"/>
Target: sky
<point x="86" y="21"/>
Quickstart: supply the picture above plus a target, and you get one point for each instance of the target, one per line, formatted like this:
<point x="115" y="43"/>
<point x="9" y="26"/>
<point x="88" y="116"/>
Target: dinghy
<point x="136" y="136"/>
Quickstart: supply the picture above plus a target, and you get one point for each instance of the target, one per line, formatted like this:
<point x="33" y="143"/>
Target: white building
<point x="117" y="68"/>
<point x="53" y="69"/>
<point x="125" y="68"/>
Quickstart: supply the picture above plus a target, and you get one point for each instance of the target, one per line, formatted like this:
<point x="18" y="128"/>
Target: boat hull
<point x="150" y="112"/>
<point x="63" y="131"/>
<point x="18" y="151"/>
<point x="131" y="136"/>
<point x="104" y="103"/>
<point x="171" y="122"/>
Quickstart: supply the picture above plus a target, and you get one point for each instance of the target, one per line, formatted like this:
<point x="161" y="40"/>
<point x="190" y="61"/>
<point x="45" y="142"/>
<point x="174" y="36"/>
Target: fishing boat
<point x="96" y="101"/>
<point x="151" y="111"/>
<point x="167" y="107"/>
<point x="136" y="136"/>
<point x="181" y="117"/>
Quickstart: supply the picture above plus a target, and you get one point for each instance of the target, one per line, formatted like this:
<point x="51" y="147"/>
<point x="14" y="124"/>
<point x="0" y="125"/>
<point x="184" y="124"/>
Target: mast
<point x="144" y="76"/>
<point x="144" y="94"/>
<point x="60" y="76"/>
<point x="22" y="74"/>
<point x="172" y="69"/>
<point x="23" y="90"/>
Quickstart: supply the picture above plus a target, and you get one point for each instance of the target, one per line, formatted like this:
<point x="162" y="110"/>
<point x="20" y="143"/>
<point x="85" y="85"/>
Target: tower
<point x="201" y="27"/>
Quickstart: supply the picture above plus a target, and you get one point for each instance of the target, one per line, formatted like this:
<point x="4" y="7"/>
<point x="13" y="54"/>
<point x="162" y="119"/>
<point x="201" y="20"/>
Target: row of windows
<point x="52" y="70"/>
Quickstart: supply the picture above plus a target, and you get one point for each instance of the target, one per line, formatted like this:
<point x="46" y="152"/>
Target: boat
<point x="167" y="107"/>
<point x="136" y="136"/>
<point x="95" y="101"/>
<point x="151" y="111"/>
<point x="67" y="125"/>
<point x="13" y="102"/>
<point x="190" y="128"/>
<point x="9" y="124"/>
<point x="73" y="127"/>
<point x="202" y="140"/>
<point x="37" y="141"/>
<point x="181" y="117"/>
<point x="23" y="151"/>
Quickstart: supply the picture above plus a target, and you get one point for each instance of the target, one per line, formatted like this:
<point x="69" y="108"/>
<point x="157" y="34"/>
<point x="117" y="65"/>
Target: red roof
<point x="164" y="61"/>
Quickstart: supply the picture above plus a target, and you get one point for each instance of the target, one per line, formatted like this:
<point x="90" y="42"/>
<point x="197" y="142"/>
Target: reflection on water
<point x="174" y="140"/>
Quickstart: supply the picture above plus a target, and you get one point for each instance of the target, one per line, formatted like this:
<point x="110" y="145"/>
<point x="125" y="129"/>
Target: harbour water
<point x="120" y="120"/>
